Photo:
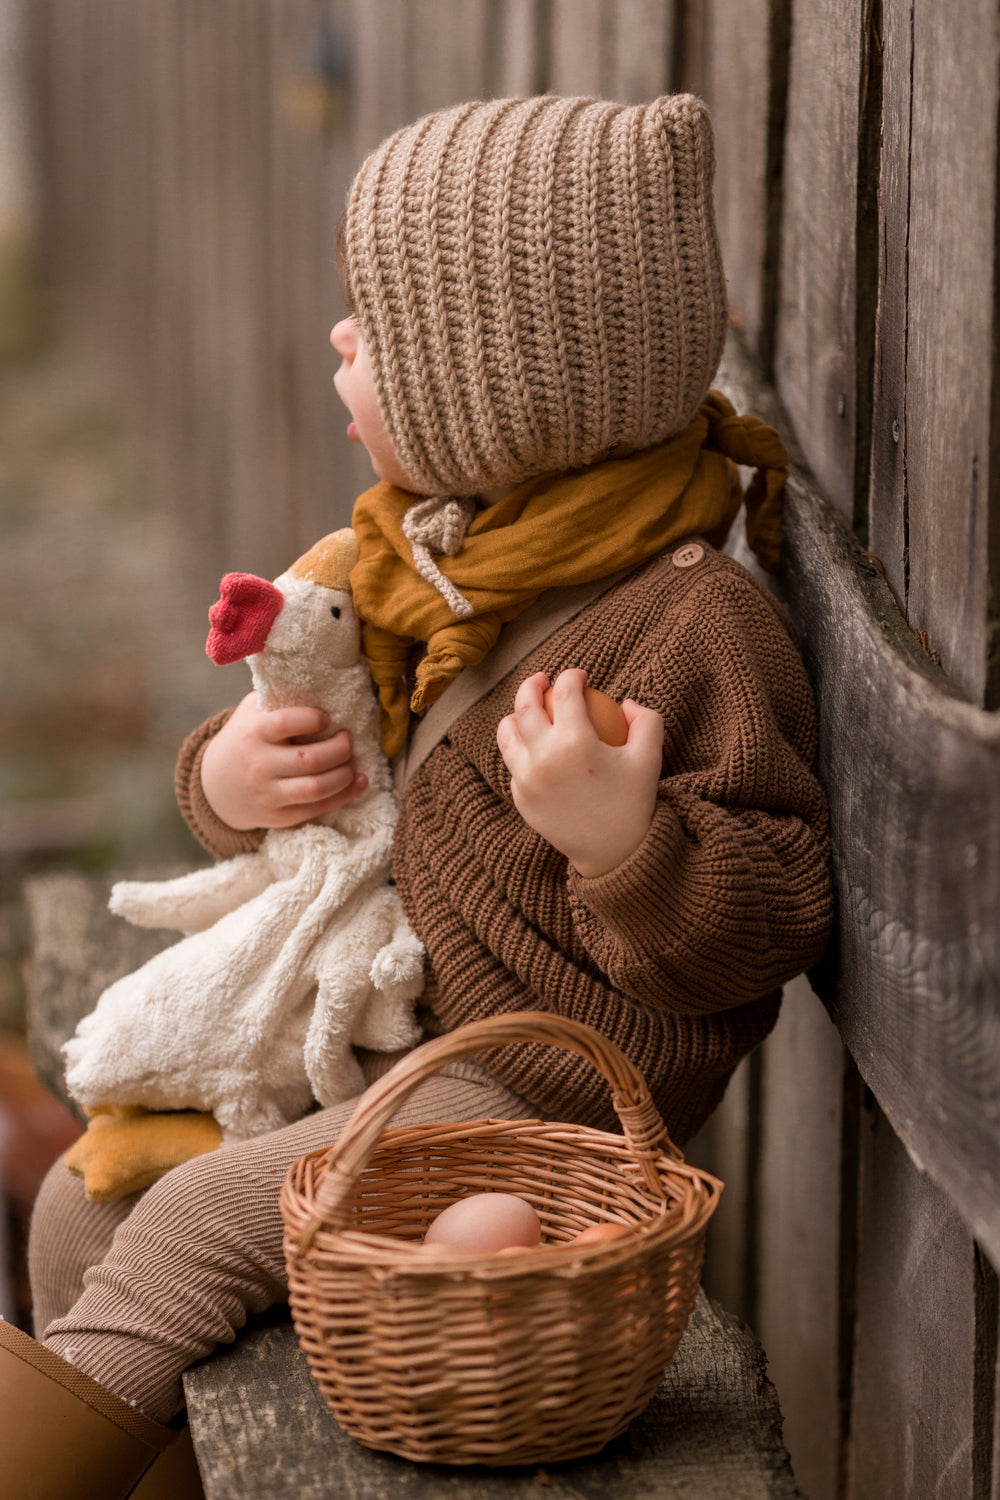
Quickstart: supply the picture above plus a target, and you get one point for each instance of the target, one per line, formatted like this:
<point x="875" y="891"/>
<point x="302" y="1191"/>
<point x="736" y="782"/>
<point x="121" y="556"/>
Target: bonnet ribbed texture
<point x="538" y="282"/>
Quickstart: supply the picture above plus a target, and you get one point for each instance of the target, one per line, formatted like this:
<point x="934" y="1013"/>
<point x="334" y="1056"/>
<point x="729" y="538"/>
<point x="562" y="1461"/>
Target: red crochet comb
<point x="242" y="617"/>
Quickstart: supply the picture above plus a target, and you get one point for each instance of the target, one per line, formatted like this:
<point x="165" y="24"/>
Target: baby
<point x="537" y="312"/>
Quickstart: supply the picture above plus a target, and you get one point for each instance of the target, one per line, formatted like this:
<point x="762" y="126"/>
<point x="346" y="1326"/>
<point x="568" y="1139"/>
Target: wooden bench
<point x="260" y="1427"/>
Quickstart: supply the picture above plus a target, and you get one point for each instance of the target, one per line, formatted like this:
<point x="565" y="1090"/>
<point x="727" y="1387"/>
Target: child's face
<point x="356" y="388"/>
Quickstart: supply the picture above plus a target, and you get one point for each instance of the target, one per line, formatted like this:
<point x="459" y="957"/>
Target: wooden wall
<point x="200" y="154"/>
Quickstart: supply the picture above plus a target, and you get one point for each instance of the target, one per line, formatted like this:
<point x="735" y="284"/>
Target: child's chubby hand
<point x="277" y="768"/>
<point x="592" y="801"/>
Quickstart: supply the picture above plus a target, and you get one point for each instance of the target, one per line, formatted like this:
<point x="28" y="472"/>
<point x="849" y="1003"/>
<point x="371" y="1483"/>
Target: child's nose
<point x="341" y="337"/>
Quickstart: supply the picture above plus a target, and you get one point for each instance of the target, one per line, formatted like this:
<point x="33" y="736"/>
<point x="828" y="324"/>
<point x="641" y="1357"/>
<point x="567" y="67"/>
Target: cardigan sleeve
<point x="729" y="894"/>
<point x="210" y="831"/>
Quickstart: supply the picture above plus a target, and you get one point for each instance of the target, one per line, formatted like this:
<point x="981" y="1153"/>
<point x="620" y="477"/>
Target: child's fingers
<point x="313" y="758"/>
<point x="312" y="792"/>
<point x="529" y="715"/>
<point x="280" y="724"/>
<point x="568" y="704"/>
<point x="645" y="731"/>
<point x="648" y="719"/>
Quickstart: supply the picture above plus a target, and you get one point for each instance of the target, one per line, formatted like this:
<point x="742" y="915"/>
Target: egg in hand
<point x="607" y="716"/>
<point x="486" y="1224"/>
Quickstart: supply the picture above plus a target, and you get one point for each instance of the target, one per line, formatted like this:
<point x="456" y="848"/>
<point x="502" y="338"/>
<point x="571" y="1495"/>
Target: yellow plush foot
<point x="126" y="1148"/>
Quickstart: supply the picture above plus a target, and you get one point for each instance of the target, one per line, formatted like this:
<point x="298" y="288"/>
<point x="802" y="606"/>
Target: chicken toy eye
<point x="335" y="611"/>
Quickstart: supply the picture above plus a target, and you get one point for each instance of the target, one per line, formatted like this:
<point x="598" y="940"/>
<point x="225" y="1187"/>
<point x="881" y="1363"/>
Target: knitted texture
<point x="198" y="1252"/>
<point x="678" y="954"/>
<point x="538" y="282"/>
<point x="550" y="531"/>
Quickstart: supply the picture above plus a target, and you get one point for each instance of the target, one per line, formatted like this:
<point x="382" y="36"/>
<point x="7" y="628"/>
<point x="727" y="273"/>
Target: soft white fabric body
<point x="293" y="953"/>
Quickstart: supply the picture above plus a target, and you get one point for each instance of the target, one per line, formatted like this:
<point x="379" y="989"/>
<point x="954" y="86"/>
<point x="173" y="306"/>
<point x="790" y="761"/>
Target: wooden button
<point x="688" y="555"/>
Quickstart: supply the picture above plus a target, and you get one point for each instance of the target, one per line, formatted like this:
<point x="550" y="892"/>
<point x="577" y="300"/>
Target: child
<point x="538" y="310"/>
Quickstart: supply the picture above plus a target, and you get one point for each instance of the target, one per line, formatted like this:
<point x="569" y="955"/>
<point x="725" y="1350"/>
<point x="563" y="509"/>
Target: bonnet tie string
<point x="437" y="526"/>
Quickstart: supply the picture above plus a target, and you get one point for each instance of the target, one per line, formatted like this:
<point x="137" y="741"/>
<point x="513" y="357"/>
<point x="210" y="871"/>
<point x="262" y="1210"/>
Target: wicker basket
<point x="486" y="1359"/>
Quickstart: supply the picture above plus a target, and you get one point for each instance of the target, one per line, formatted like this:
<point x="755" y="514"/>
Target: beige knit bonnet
<point x="538" y="282"/>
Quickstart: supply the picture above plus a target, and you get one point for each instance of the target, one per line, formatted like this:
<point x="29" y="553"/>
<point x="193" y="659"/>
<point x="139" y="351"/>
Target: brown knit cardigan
<point x="678" y="955"/>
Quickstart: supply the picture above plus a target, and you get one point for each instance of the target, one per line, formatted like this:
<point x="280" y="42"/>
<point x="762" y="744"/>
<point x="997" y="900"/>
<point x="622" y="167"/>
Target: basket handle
<point x="644" y="1130"/>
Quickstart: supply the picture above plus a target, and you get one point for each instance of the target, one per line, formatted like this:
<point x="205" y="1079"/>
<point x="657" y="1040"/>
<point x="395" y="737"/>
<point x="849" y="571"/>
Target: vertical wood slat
<point x="520" y="64"/>
<point x="382" y="73"/>
<point x="725" y="1147"/>
<point x="246" y="361"/>
<point x="579" y="46"/>
<point x="181" y="333"/>
<point x="932" y="484"/>
<point x="641" y="62"/>
<point x="912" y="1418"/>
<point x="986" y="1306"/>
<point x="736" y="88"/>
<point x="988" y="1453"/>
<point x="311" y="447"/>
<point x="449" y="60"/>
<point x="799" y="1232"/>
<point x="204" y="48"/>
<point x="815" y="356"/>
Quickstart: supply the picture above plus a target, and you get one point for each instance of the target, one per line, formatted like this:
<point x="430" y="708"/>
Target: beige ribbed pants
<point x="134" y="1291"/>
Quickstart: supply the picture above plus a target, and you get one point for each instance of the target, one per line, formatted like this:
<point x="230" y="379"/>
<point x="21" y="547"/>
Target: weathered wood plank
<point x="799" y="1231"/>
<point x="311" y="493"/>
<point x="382" y="77"/>
<point x="449" y="60"/>
<point x="912" y="1416"/>
<point x="641" y="52"/>
<point x="742" y="55"/>
<point x="262" y="1431"/>
<point x="520" y="62"/>
<point x="990" y="1438"/>
<point x="244" y="369"/>
<point x="580" y="46"/>
<point x="985" y="1449"/>
<point x="913" y="778"/>
<point x="172" y="334"/>
<point x="815" y="357"/>
<point x="77" y="949"/>
<point x="933" y="498"/>
<point x="727" y="1147"/>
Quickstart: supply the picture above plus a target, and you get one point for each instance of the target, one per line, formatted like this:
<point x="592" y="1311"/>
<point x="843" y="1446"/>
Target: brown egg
<point x="486" y="1223"/>
<point x="606" y="715"/>
<point x="599" y="1234"/>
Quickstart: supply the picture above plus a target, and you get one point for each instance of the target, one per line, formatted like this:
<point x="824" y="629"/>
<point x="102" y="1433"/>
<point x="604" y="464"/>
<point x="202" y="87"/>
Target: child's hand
<point x="593" y="802"/>
<point x="279" y="768"/>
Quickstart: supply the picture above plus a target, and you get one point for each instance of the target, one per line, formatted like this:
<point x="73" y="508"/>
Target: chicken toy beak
<point x="242" y="617"/>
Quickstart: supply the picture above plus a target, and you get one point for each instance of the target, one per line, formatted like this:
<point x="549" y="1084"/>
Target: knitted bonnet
<point x="538" y="282"/>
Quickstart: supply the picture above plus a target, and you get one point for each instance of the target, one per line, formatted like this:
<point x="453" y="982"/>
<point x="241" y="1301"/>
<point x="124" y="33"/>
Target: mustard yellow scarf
<point x="552" y="531"/>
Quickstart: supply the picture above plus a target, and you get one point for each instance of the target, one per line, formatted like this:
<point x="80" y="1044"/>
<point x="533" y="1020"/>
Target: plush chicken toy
<point x="294" y="953"/>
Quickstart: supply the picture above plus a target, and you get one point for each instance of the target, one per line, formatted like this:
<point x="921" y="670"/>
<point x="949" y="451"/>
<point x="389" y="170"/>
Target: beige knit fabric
<point x="538" y="282"/>
<point x="132" y="1293"/>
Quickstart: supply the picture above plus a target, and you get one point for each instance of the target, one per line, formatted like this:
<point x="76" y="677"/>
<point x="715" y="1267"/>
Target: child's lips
<point x="352" y="432"/>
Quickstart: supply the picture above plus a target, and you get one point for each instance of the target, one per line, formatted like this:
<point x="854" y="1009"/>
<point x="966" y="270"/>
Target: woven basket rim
<point x="696" y="1197"/>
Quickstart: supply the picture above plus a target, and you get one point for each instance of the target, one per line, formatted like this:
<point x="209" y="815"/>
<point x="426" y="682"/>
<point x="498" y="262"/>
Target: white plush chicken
<point x="295" y="952"/>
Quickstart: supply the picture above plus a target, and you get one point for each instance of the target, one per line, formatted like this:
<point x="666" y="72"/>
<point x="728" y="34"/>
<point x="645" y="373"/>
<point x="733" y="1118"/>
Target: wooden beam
<point x="914" y="1393"/>
<point x="934" y="506"/>
<point x="913" y="777"/>
<point x="799" y="1214"/>
<point x="815" y="366"/>
<point x="261" y="1427"/>
<point x="744" y="85"/>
